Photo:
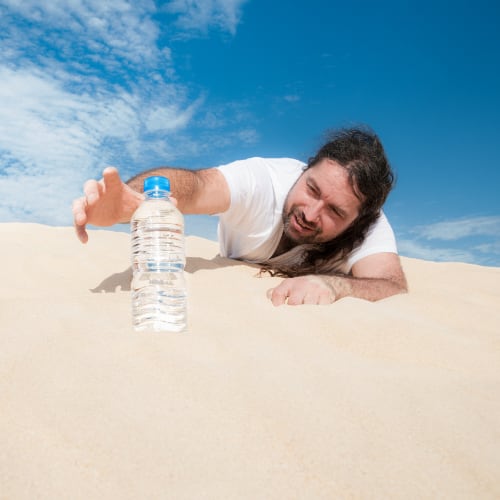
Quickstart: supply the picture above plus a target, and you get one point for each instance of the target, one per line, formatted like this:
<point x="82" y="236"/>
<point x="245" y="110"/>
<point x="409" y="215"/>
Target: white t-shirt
<point x="252" y="227"/>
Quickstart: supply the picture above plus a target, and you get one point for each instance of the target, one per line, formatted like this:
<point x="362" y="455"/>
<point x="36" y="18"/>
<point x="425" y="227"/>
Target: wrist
<point x="342" y="286"/>
<point x="131" y="206"/>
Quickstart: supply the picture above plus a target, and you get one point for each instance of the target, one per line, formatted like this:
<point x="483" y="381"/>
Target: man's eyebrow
<point x="335" y="208"/>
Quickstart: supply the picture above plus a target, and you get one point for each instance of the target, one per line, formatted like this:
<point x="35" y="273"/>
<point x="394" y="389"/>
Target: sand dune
<point x="394" y="399"/>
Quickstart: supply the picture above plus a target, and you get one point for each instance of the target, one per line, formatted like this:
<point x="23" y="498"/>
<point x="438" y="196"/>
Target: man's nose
<point x="313" y="211"/>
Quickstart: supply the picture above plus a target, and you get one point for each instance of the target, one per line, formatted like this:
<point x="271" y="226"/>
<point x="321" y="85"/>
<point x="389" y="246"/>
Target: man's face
<point x="320" y="205"/>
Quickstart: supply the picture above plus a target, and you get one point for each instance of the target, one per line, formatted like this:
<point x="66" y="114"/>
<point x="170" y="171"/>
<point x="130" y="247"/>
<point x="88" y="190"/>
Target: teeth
<point x="301" y="224"/>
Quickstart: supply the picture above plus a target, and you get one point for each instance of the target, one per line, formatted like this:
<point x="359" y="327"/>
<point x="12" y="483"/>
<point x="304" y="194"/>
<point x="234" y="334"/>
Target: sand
<point x="394" y="399"/>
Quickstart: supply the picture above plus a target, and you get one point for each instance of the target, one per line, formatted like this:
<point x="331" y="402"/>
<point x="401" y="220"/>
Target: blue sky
<point x="197" y="83"/>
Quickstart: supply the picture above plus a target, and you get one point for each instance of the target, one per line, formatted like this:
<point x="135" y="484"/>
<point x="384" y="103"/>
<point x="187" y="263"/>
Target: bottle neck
<point x="157" y="194"/>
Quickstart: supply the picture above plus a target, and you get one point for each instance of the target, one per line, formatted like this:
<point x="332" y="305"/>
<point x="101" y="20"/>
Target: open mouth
<point x="301" y="225"/>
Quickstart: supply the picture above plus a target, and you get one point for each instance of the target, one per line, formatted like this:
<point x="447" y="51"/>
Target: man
<point x="318" y="225"/>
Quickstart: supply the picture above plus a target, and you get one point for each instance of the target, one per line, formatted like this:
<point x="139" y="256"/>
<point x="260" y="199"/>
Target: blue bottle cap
<point x="156" y="183"/>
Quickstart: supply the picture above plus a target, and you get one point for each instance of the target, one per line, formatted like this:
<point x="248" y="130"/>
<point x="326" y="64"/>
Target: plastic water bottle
<point x="159" y="298"/>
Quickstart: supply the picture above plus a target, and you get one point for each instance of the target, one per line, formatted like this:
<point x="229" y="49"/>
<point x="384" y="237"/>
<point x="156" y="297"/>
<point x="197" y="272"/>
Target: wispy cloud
<point x="469" y="239"/>
<point x="105" y="32"/>
<point x="198" y="16"/>
<point x="171" y="117"/>
<point x="417" y="250"/>
<point x="42" y="123"/>
<point x="461" y="228"/>
<point x="489" y="248"/>
<point x="85" y="83"/>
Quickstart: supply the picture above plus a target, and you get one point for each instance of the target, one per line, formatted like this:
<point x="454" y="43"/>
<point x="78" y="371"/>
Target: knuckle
<point x="295" y="300"/>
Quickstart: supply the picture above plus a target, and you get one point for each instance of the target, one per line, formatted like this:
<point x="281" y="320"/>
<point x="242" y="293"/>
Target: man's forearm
<point x="365" y="288"/>
<point x="183" y="183"/>
<point x="196" y="191"/>
<point x="322" y="289"/>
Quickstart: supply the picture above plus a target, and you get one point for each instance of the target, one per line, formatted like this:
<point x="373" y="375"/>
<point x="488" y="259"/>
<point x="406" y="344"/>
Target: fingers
<point x="282" y="295"/>
<point x="278" y="295"/>
<point x="81" y="233"/>
<point x="92" y="190"/>
<point x="111" y="178"/>
<point x="80" y="219"/>
<point x="302" y="290"/>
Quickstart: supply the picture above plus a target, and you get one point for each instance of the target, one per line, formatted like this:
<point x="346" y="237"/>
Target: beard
<point x="298" y="229"/>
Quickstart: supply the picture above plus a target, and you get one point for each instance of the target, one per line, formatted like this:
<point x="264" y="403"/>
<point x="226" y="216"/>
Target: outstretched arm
<point x="373" y="278"/>
<point x="111" y="201"/>
<point x="196" y="191"/>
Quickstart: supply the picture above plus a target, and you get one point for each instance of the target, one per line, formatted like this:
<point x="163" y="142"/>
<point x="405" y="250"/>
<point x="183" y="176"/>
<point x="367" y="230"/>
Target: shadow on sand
<point x="121" y="281"/>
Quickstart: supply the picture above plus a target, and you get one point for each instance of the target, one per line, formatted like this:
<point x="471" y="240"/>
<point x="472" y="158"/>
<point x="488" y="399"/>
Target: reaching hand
<point x="105" y="202"/>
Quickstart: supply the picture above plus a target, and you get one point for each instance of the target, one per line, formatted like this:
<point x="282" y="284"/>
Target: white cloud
<point x="86" y="83"/>
<point x="165" y="118"/>
<point x="199" y="15"/>
<point x="121" y="29"/>
<point x="461" y="228"/>
<point x="492" y="248"/>
<point x="48" y="136"/>
<point x="248" y="136"/>
<point x="414" y="249"/>
<point x="42" y="124"/>
<point x="469" y="239"/>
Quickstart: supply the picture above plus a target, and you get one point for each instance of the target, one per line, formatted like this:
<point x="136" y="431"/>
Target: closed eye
<point x="313" y="190"/>
<point x="337" y="212"/>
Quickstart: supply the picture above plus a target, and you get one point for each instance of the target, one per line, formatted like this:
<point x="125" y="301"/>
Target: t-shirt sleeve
<point x="247" y="222"/>
<point x="380" y="239"/>
<point x="251" y="190"/>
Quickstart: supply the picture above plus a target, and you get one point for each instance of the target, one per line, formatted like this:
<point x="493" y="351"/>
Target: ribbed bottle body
<point x="159" y="296"/>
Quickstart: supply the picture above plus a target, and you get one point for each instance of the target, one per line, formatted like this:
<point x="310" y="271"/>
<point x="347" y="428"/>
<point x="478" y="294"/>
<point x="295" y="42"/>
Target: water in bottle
<point x="159" y="299"/>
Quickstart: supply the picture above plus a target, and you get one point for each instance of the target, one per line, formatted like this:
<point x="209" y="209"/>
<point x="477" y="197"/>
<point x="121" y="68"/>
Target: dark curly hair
<point x="361" y="153"/>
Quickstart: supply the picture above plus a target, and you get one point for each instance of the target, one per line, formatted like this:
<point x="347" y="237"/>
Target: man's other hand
<point x="302" y="290"/>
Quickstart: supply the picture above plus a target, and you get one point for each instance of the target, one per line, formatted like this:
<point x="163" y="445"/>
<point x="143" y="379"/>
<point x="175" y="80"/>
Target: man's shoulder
<point x="258" y="171"/>
<point x="266" y="162"/>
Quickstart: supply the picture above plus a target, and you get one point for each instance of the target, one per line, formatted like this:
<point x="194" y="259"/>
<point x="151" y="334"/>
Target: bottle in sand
<point x="159" y="297"/>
